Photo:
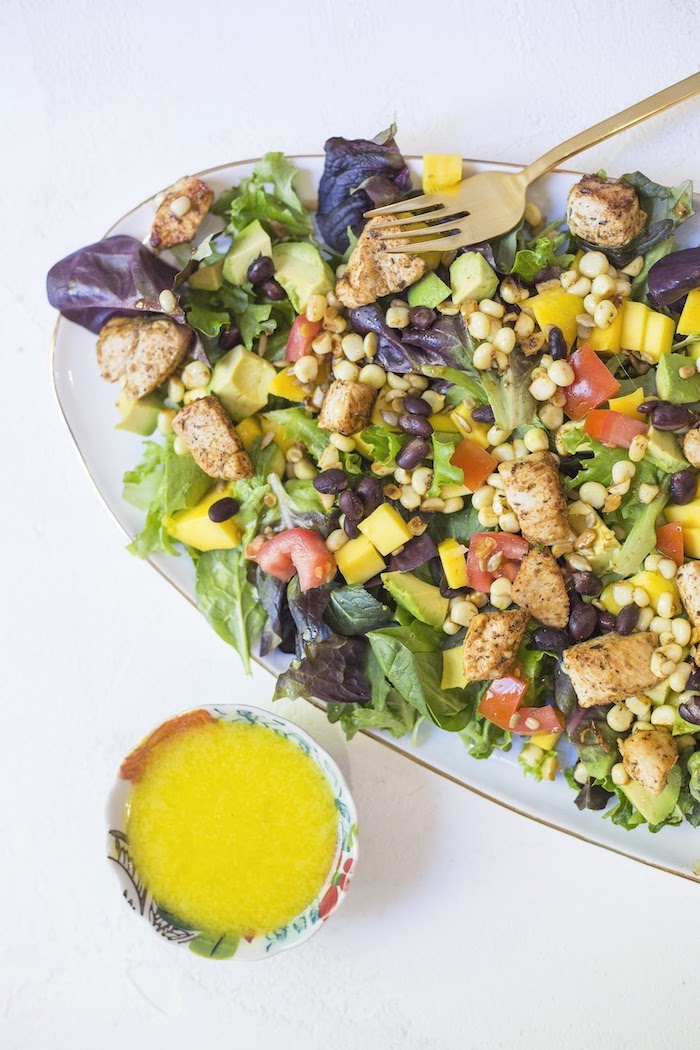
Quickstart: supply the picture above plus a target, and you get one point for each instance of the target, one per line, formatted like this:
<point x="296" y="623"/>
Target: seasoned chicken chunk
<point x="688" y="582"/>
<point x="160" y="347"/>
<point x="648" y="756"/>
<point x="211" y="437"/>
<point x="540" y="589"/>
<point x="604" y="211"/>
<point x="181" y="213"/>
<point x="534" y="493"/>
<point x="115" y="344"/>
<point x="347" y="407"/>
<point x="691" y="447"/>
<point x="491" y="644"/>
<point x="609" y="669"/>
<point x="373" y="270"/>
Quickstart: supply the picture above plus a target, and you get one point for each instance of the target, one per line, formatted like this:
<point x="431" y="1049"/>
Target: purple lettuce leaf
<point x="445" y="343"/>
<point x="359" y="174"/>
<point x="115" y="276"/>
<point x="308" y="609"/>
<point x="331" y="671"/>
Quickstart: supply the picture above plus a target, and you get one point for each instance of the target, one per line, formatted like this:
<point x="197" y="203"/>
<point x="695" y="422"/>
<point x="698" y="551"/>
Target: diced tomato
<point x="475" y="463"/>
<point x="300" y="551"/>
<point x="482" y="546"/>
<point x="669" y="541"/>
<point x="302" y="333"/>
<point x="594" y="383"/>
<point x="613" y="428"/>
<point x="502" y="700"/>
<point x="548" y="719"/>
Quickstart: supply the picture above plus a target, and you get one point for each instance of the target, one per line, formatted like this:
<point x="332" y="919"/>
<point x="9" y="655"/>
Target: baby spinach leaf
<point x="353" y="610"/>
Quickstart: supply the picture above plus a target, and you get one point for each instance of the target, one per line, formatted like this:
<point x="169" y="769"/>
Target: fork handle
<point x="649" y="107"/>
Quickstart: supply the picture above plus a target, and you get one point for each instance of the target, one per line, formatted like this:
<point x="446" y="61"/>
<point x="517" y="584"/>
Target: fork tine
<point x="443" y="244"/>
<point x="428" y="200"/>
<point x="384" y="229"/>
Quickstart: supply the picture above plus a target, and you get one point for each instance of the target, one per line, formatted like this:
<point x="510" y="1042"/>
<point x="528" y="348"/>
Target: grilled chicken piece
<point x="648" y="756"/>
<point x="540" y="589"/>
<point x="347" y="407"/>
<point x="688" y="581"/>
<point x="609" y="669"/>
<point x="373" y="270"/>
<point x="160" y="347"/>
<point x="211" y="437"/>
<point x="491" y="644"/>
<point x="179" y="226"/>
<point x="605" y="212"/>
<point x="115" y="344"/>
<point x="534" y="493"/>
<point x="691" y="447"/>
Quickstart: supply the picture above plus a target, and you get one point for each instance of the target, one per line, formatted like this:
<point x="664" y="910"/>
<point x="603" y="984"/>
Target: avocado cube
<point x="471" y="277"/>
<point x="634" y="325"/>
<point x="421" y="599"/>
<point x="430" y="291"/>
<point x="669" y="383"/>
<point x="246" y="247"/>
<point x="655" y="808"/>
<point x="208" y="278"/>
<point x="606" y="340"/>
<point x="658" y="336"/>
<point x="689" y="321"/>
<point x="556" y="307"/>
<point x="359" y="560"/>
<point x="605" y="543"/>
<point x="302" y="272"/>
<point x="454" y="563"/>
<point x="453" y="676"/>
<point x="386" y="529"/>
<point x="241" y="381"/>
<point x="195" y="528"/>
<point x="138" y="416"/>
<point x="665" y="452"/>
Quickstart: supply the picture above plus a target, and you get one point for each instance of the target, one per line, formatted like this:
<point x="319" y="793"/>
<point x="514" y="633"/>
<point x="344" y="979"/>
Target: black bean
<point x="647" y="407"/>
<point x="223" y="509"/>
<point x="417" y="426"/>
<point x="569" y="466"/>
<point x="261" y="269"/>
<point x="550" y="639"/>
<point x="672" y="417"/>
<point x="557" y="344"/>
<point x="229" y="337"/>
<point x="693" y="682"/>
<point x="416" y="406"/>
<point x="587" y="583"/>
<point x="272" y="289"/>
<point x="351" y="505"/>
<point x="370" y="491"/>
<point x="627" y="619"/>
<point x="483" y="414"/>
<point x="351" y="529"/>
<point x="682" y="487"/>
<point x="331" y="481"/>
<point x="690" y="710"/>
<point x="582" y="621"/>
<point x="413" y="452"/>
<point x="606" y="620"/>
<point x="422" y="317"/>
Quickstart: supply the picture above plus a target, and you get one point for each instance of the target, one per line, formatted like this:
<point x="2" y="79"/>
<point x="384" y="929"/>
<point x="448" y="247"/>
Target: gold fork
<point x="492" y="202"/>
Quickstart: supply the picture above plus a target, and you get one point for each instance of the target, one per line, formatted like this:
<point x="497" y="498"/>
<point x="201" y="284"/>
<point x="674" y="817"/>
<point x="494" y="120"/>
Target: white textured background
<point x="466" y="927"/>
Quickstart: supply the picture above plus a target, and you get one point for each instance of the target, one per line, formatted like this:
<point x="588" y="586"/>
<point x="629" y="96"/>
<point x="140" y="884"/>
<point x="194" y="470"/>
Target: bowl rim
<point x="260" y="946"/>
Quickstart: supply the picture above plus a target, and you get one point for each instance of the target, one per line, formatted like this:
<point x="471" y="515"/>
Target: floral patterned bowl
<point x="260" y="946"/>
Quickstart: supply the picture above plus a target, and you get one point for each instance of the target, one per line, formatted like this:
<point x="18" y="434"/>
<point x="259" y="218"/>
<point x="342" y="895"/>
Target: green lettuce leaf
<point x="387" y="709"/>
<point x="298" y="426"/>
<point x="269" y="196"/>
<point x="444" y="472"/>
<point x="228" y="600"/>
<point x="385" y="445"/>
<point x="539" y="254"/>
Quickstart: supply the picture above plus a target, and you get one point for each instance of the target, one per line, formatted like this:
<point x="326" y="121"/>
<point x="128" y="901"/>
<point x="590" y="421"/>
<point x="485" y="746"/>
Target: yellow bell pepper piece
<point x="557" y="307"/>
<point x="658" y="336"/>
<point x="454" y="562"/>
<point x="634" y="325"/>
<point x="441" y="171"/>
<point x="385" y="529"/>
<point x="453" y="676"/>
<point x="628" y="405"/>
<point x="248" y="430"/>
<point x="689" y="322"/>
<point x="359" y="560"/>
<point x="285" y="384"/>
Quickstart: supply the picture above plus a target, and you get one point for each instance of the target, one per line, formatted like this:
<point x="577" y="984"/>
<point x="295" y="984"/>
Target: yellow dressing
<point x="232" y="827"/>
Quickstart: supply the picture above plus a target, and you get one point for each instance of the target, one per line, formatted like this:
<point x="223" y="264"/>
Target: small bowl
<point x="260" y="946"/>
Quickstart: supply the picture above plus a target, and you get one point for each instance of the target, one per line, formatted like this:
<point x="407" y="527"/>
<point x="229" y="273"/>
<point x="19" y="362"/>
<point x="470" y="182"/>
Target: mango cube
<point x="634" y="325"/>
<point x="689" y="322"/>
<point x="441" y="171"/>
<point x="688" y="515"/>
<point x="478" y="432"/>
<point x="652" y="582"/>
<point x="248" y="430"/>
<point x="195" y="528"/>
<point x="285" y="384"/>
<point x="606" y="340"/>
<point x="385" y="528"/>
<point x="285" y="443"/>
<point x="557" y="307"/>
<point x="454" y="562"/>
<point x="658" y="337"/>
<point x="545" y="740"/>
<point x="453" y="676"/>
<point x="629" y="404"/>
<point x="691" y="542"/>
<point x="444" y="421"/>
<point x="359" y="560"/>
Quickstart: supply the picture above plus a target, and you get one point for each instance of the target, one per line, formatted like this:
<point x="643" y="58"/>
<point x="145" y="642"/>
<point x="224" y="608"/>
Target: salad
<point x="456" y="487"/>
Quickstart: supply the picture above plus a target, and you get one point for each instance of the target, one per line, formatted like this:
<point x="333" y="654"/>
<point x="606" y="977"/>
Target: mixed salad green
<point x="457" y="488"/>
